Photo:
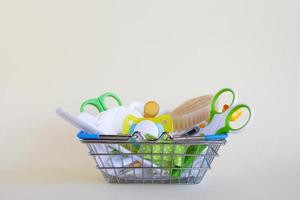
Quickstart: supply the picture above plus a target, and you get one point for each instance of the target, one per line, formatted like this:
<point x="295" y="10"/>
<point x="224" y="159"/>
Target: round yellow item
<point x="151" y="109"/>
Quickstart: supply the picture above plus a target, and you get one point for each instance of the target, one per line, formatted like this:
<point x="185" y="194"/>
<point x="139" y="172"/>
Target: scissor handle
<point x="215" y="98"/>
<point x="99" y="102"/>
<point x="228" y="128"/>
<point x="109" y="94"/>
<point x="93" y="102"/>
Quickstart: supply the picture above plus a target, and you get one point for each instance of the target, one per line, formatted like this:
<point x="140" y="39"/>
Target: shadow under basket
<point x="153" y="162"/>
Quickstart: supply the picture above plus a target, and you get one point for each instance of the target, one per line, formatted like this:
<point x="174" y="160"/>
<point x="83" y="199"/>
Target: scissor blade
<point x="218" y="121"/>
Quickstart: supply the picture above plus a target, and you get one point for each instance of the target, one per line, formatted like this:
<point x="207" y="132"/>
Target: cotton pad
<point x="110" y="121"/>
<point x="139" y="106"/>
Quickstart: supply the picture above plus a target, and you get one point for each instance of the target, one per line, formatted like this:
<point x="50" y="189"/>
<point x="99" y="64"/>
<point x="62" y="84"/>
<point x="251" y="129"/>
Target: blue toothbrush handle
<point x="88" y="136"/>
<point x="216" y="137"/>
<point x="93" y="136"/>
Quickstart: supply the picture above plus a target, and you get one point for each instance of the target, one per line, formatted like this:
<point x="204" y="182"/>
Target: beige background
<point x="57" y="53"/>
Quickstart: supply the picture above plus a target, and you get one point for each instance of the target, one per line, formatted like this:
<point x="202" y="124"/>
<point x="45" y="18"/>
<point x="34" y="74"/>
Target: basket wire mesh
<point x="119" y="162"/>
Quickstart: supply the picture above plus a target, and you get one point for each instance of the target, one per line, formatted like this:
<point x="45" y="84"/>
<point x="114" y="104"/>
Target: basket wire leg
<point x="143" y="159"/>
<point x="212" y="153"/>
<point x="209" y="153"/>
<point x="171" y="179"/>
<point x="112" y="163"/>
<point x="203" y="167"/>
<point x="214" y="149"/>
<point x="181" y="169"/>
<point x="190" y="178"/>
<point x="131" y="155"/>
<point x="152" y="167"/>
<point x="162" y="162"/>
<point x="93" y="150"/>
<point x="200" y="169"/>
<point x="122" y="163"/>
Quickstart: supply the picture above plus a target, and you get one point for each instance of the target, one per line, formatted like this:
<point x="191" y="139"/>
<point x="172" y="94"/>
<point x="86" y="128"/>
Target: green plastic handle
<point x="93" y="102"/>
<point x="99" y="102"/>
<point x="227" y="127"/>
<point x="213" y="109"/>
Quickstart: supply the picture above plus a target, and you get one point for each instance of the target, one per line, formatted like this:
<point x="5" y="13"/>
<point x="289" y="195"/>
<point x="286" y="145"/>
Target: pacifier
<point x="150" y="126"/>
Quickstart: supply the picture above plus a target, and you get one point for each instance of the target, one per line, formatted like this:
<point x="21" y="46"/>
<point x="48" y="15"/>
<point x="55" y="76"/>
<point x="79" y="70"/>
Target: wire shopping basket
<point x="128" y="159"/>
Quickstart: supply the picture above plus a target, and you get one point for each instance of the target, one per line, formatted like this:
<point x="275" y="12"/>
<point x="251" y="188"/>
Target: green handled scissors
<point x="233" y="118"/>
<point x="230" y="120"/>
<point x="231" y="126"/>
<point x="99" y="102"/>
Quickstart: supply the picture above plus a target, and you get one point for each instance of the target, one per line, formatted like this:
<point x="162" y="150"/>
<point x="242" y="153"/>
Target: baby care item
<point x="139" y="106"/>
<point x="151" y="109"/>
<point x="84" y="121"/>
<point x="191" y="112"/>
<point x="108" y="122"/>
<point x="99" y="102"/>
<point x="149" y="125"/>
